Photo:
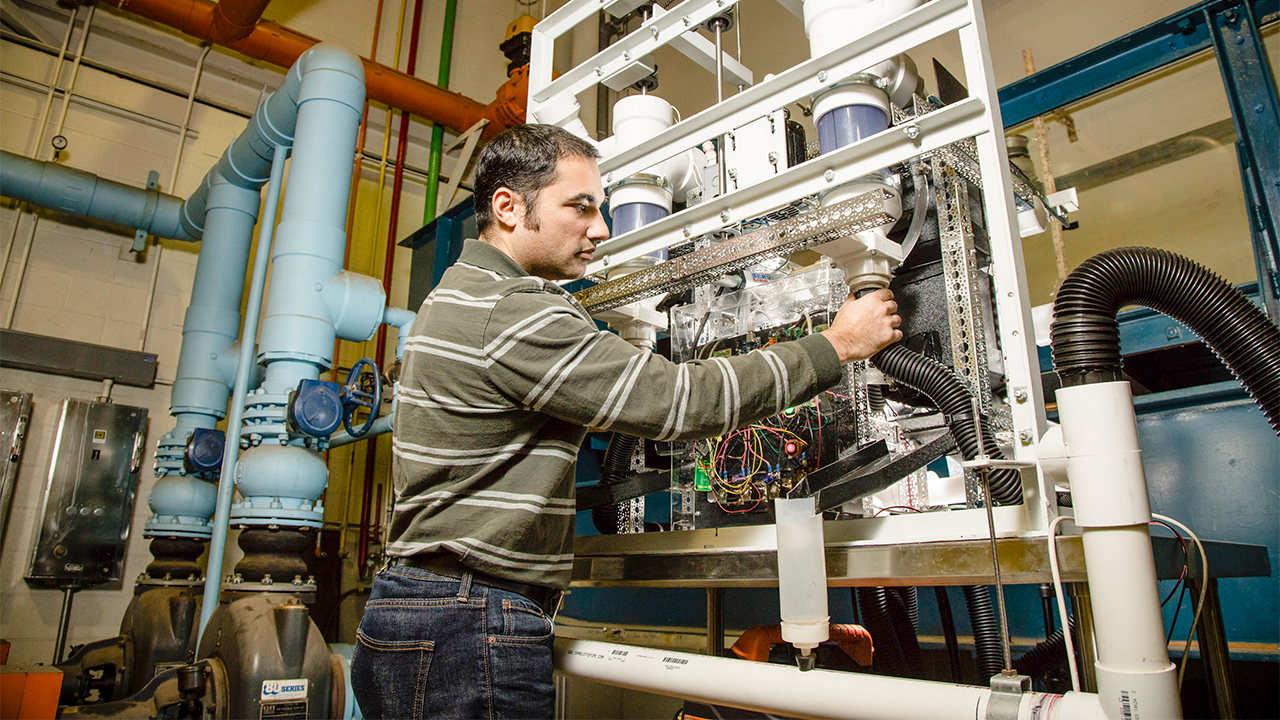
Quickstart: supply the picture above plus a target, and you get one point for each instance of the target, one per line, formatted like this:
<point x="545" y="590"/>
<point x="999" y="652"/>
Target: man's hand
<point x="865" y="326"/>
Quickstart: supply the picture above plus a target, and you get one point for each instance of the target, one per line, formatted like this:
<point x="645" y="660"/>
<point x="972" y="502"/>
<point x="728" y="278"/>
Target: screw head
<point x="773" y="158"/>
<point x="733" y="173"/>
<point x="654" y="31"/>
<point x="724" y="216"/>
<point x="1020" y="395"/>
<point x="608" y="178"/>
<point x="685" y="19"/>
<point x="688" y="230"/>
<point x="822" y="76"/>
<point x="1025" y="437"/>
<point x="626" y="55"/>
<point x="1172" y="332"/>
<point x="599" y="71"/>
<point x="829" y="175"/>
<point x="912" y="131"/>
<point x="606" y="260"/>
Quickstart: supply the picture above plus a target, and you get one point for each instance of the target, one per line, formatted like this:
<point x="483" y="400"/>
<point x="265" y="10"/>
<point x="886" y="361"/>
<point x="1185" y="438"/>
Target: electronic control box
<point x="89" y="497"/>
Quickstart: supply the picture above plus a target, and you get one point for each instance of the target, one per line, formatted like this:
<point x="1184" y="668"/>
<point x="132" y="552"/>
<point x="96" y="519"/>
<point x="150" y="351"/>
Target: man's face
<point x="557" y="237"/>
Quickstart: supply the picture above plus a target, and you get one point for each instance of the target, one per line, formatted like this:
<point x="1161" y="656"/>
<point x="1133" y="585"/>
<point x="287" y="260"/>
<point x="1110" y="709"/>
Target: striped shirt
<point x="503" y="374"/>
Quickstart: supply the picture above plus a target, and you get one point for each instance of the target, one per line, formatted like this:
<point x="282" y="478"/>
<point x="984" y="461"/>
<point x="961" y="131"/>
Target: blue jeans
<point x="432" y="646"/>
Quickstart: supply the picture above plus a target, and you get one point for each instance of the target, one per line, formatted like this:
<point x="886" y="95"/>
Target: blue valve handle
<point x="353" y="397"/>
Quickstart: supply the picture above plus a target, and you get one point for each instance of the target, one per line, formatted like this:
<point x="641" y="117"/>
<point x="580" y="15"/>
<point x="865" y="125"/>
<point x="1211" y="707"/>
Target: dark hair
<point x="523" y="159"/>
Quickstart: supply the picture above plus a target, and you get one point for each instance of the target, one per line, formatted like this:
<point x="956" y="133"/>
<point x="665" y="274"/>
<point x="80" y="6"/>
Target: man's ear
<point x="507" y="207"/>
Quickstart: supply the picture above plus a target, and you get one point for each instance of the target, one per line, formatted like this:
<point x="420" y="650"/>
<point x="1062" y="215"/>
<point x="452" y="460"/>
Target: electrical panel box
<point x="15" y="414"/>
<point x="89" y="498"/>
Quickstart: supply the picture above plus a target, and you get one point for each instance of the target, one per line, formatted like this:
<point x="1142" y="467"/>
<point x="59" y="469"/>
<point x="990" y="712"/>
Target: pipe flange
<point x="146" y="581"/>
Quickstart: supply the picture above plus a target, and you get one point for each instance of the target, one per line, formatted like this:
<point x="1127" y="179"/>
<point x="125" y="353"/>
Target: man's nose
<point x="599" y="230"/>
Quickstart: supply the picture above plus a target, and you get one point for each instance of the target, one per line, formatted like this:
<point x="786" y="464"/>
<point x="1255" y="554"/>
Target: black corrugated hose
<point x="903" y="613"/>
<point x="1047" y="655"/>
<point x="948" y="392"/>
<point x="873" y="604"/>
<point x="986" y="634"/>
<point x="949" y="631"/>
<point x="1086" y="336"/>
<point x="615" y="467"/>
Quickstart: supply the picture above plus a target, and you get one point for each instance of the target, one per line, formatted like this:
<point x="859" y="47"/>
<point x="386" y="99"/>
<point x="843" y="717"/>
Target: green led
<point x="789" y="411"/>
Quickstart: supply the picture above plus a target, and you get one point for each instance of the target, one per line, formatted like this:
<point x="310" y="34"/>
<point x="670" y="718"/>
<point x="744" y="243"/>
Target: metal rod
<point x="173" y="183"/>
<point x="62" y="119"/>
<point x="63" y="623"/>
<point x="231" y="452"/>
<point x="21" y="210"/>
<point x="719" y="64"/>
<point x="715" y="621"/>
<point x="985" y="475"/>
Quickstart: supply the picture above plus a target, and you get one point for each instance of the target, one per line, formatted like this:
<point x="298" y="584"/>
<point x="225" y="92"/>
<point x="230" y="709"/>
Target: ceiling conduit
<point x="279" y="45"/>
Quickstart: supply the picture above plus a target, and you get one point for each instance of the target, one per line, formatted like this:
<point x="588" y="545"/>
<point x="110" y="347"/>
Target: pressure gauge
<point x="59" y="142"/>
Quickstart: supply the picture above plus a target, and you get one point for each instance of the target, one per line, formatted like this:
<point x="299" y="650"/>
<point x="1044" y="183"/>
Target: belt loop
<point x="464" y="586"/>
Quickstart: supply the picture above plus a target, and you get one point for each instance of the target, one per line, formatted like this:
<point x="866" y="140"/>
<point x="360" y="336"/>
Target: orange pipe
<point x="235" y="19"/>
<point x="279" y="45"/>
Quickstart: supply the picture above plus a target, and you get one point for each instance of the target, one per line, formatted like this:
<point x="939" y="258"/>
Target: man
<point x="503" y="373"/>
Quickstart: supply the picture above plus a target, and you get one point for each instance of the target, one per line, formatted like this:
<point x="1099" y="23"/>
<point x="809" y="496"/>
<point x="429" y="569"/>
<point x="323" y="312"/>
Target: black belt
<point x="448" y="565"/>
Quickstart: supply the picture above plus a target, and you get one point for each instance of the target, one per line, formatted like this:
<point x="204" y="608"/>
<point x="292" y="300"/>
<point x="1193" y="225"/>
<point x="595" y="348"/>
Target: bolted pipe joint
<point x="181" y="507"/>
<point x="280" y="485"/>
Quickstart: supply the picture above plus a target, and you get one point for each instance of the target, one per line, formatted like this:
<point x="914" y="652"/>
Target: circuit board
<point x="730" y="479"/>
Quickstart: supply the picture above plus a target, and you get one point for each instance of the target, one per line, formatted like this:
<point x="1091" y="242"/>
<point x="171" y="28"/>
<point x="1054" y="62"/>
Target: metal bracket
<point x="153" y="199"/>
<point x="1006" y="696"/>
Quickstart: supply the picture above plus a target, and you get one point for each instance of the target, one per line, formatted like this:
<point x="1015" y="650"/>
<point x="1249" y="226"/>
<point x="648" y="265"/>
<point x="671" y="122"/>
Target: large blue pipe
<point x="182" y="504"/>
<point x="313" y="300"/>
<point x="81" y="194"/>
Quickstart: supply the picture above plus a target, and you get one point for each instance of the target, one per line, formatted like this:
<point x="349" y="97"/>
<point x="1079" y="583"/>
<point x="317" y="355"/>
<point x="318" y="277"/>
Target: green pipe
<point x="437" y="130"/>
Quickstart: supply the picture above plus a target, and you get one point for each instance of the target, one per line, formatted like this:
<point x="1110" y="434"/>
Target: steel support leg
<point x="1212" y="640"/>
<point x="1083" y="611"/>
<point x="1251" y="92"/>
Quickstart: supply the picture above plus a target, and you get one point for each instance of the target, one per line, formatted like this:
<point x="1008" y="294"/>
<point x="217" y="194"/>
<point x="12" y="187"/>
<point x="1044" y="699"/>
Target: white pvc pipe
<point x="1109" y="494"/>
<point x="785" y="690"/>
<point x="173" y="181"/>
<point x="62" y="119"/>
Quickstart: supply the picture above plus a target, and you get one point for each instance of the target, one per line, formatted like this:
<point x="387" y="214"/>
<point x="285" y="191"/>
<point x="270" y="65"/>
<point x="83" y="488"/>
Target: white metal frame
<point x="977" y="117"/>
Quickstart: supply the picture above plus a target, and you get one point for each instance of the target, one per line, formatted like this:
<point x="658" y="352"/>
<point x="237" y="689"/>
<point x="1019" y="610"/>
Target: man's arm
<point x="545" y="356"/>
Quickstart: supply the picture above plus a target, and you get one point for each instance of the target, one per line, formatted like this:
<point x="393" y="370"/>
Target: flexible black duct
<point x="890" y="657"/>
<point x="1047" y="655"/>
<point x="941" y="385"/>
<point x="986" y="634"/>
<point x="1086" y="336"/>
<point x="949" y="631"/>
<point x="616" y="466"/>
<point x="903" y="613"/>
<point x="911" y="603"/>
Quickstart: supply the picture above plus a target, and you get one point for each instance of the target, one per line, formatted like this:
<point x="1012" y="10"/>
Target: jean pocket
<point x="390" y="676"/>
<point x="520" y="661"/>
<point x="523" y="622"/>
